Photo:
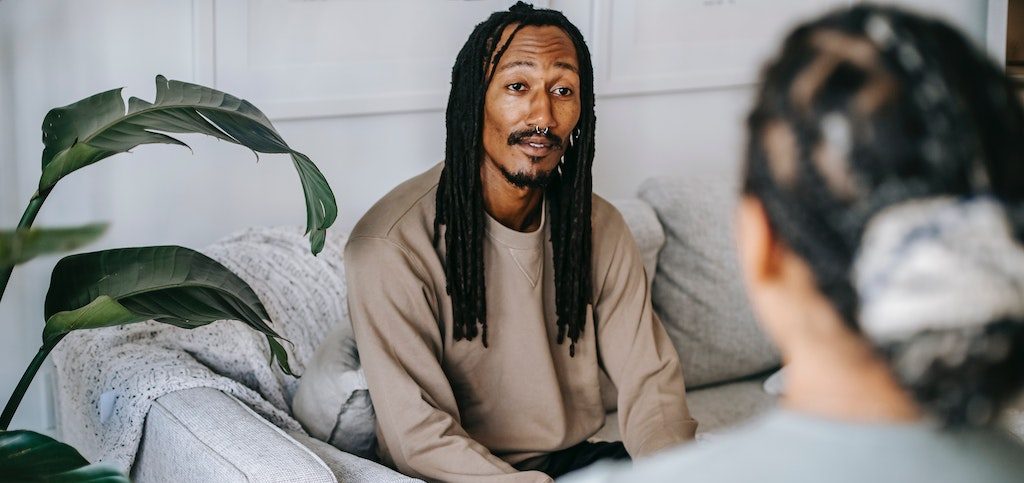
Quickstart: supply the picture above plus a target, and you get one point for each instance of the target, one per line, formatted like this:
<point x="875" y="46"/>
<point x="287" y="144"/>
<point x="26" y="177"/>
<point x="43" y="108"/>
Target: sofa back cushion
<point x="698" y="289"/>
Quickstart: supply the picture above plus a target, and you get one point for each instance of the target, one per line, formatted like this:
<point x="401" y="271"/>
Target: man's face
<point x="534" y="87"/>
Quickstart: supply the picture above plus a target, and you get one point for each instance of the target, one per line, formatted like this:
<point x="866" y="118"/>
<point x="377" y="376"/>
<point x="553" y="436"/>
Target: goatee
<point x="525" y="180"/>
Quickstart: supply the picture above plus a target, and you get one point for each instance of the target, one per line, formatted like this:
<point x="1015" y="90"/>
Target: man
<point x="483" y="308"/>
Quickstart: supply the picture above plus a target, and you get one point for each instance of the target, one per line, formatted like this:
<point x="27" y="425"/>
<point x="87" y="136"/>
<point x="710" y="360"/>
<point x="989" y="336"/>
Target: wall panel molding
<point x="338" y="63"/>
<point x="655" y="46"/>
<point x="324" y="69"/>
<point x="995" y="27"/>
<point x="203" y="46"/>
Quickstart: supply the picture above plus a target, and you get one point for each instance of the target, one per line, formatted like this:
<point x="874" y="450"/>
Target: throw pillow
<point x="332" y="401"/>
<point x="698" y="290"/>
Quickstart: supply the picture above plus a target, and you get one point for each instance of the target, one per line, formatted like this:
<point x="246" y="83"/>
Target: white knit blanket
<point x="107" y="379"/>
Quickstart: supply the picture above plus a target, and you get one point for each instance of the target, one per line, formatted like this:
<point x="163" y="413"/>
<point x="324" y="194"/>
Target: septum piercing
<point x="537" y="130"/>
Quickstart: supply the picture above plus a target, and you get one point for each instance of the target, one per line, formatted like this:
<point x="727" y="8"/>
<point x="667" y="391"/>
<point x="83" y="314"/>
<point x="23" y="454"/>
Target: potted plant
<point x="169" y="284"/>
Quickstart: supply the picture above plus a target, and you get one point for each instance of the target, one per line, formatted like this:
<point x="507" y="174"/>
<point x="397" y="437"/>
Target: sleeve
<point x="400" y="346"/>
<point x="636" y="352"/>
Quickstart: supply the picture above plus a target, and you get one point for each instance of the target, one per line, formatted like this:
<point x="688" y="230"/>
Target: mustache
<point x="518" y="136"/>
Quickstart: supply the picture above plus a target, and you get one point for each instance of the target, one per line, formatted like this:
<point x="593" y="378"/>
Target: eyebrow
<point x="530" y="63"/>
<point x="567" y="66"/>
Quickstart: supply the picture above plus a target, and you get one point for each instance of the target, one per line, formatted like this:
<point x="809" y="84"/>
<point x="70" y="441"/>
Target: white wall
<point x="54" y="52"/>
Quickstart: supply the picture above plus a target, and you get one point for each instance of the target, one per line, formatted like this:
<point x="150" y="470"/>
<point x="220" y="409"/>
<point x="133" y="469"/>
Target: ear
<point x="758" y="249"/>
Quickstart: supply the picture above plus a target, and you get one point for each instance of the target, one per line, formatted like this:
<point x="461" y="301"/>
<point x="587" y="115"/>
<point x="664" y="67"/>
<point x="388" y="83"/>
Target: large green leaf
<point x="20" y="246"/>
<point x="96" y="127"/>
<point x="170" y="284"/>
<point x="29" y="456"/>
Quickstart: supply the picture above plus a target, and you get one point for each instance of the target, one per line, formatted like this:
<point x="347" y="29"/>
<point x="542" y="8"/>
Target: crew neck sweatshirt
<point x="456" y="411"/>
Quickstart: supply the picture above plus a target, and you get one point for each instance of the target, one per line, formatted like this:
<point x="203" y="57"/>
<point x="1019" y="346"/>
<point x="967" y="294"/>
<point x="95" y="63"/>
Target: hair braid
<point x="869" y="108"/>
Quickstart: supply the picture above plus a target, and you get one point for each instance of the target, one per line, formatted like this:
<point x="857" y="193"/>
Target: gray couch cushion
<point x="723" y="406"/>
<point x="202" y="434"/>
<point x="349" y="468"/>
<point x="698" y="291"/>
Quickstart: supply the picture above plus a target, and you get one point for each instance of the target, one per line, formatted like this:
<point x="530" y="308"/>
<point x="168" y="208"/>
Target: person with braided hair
<point x="881" y="234"/>
<point x="489" y="294"/>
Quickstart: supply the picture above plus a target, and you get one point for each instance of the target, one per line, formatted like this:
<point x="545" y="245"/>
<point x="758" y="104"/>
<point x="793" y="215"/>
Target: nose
<point x="541" y="111"/>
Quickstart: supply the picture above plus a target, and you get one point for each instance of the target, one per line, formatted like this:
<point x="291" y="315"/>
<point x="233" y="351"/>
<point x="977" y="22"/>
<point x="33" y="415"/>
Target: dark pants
<point x="571" y="459"/>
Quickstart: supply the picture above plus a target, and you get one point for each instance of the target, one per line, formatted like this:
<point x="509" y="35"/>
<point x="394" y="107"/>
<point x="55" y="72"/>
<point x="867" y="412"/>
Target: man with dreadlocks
<point x="483" y="307"/>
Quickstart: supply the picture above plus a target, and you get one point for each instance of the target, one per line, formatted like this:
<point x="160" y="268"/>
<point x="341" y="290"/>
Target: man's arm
<point x="400" y="346"/>
<point x="635" y="350"/>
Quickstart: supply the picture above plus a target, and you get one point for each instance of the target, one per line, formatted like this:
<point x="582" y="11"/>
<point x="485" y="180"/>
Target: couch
<point x="682" y="226"/>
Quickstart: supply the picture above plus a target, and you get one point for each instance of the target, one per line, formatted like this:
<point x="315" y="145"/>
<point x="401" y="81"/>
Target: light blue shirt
<point x="786" y="446"/>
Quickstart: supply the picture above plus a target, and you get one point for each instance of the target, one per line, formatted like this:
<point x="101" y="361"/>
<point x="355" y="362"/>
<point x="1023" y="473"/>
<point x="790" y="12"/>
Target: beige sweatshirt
<point x="455" y="411"/>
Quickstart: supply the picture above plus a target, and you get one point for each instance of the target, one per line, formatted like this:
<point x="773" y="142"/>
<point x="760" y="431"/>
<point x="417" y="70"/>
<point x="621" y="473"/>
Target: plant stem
<point x="27" y="219"/>
<point x="26" y="380"/>
<point x="29" y="216"/>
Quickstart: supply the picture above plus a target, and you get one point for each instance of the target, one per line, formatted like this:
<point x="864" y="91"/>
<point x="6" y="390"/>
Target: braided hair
<point x="459" y="193"/>
<point x="870" y="107"/>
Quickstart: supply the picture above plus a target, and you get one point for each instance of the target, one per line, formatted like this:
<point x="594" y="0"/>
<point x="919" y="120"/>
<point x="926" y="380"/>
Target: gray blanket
<point x="108" y="378"/>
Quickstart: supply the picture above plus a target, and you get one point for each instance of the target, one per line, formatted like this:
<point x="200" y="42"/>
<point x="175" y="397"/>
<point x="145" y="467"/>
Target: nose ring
<point x="537" y="130"/>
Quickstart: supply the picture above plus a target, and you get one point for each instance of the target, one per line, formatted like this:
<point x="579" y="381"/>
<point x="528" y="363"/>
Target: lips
<point x="536" y="146"/>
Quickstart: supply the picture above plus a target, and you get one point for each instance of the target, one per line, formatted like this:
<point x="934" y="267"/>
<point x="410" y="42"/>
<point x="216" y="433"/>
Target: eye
<point x="562" y="91"/>
<point x="516" y="87"/>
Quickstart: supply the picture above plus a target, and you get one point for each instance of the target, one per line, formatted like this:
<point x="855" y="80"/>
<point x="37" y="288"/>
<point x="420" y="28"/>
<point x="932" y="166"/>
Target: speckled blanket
<point x="107" y="379"/>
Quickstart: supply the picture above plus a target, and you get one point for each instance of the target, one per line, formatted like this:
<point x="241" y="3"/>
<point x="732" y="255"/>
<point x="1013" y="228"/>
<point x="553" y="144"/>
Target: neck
<point x="514" y="207"/>
<point x="845" y="380"/>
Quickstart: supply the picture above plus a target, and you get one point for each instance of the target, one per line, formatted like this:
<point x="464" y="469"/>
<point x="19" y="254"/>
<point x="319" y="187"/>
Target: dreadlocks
<point x="459" y="192"/>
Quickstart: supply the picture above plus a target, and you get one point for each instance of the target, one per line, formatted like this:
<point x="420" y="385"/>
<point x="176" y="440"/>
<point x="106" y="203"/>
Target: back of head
<point x="889" y="154"/>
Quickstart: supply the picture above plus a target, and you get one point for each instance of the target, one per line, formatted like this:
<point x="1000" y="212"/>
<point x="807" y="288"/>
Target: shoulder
<point x="605" y="216"/>
<point x="610" y="230"/>
<point x="612" y="238"/>
<point x="399" y="229"/>
<point x="999" y="450"/>
<point x="735" y="454"/>
<point x="408" y="205"/>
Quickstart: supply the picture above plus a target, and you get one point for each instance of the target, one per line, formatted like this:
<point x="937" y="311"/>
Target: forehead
<point x="547" y="44"/>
